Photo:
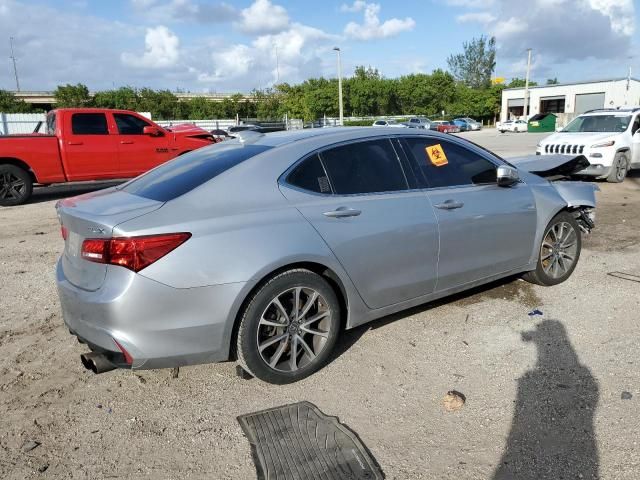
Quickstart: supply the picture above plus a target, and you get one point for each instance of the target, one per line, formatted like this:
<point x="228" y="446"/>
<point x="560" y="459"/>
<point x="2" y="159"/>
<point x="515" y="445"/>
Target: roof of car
<point x="331" y="134"/>
<point x="609" y="111"/>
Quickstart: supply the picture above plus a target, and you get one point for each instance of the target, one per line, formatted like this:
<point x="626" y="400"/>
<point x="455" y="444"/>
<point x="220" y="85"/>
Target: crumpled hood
<point x="187" y="130"/>
<point x="551" y="165"/>
<point x="580" y="138"/>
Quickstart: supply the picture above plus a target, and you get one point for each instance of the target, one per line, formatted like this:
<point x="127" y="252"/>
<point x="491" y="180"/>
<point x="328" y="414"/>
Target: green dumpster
<point x="542" y="122"/>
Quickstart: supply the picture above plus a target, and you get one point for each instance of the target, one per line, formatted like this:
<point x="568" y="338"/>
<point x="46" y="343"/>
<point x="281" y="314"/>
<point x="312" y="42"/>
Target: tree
<point x="72" y="95"/>
<point x="10" y="104"/>
<point x="476" y="64"/>
<point x="520" y="82"/>
<point x="552" y="81"/>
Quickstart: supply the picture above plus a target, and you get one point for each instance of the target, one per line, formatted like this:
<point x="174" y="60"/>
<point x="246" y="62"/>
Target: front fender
<point x="577" y="194"/>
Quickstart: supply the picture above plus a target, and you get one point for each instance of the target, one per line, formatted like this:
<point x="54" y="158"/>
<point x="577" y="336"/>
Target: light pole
<point x="337" y="49"/>
<point x="526" y="86"/>
<point x="15" y="69"/>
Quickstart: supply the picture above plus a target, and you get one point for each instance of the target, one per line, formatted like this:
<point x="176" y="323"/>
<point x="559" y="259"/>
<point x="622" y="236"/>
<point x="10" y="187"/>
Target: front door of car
<point x="385" y="236"/>
<point x="485" y="230"/>
<point x="138" y="152"/>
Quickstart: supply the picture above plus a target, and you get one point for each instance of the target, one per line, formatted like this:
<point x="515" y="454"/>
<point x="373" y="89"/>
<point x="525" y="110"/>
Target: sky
<point x="217" y="46"/>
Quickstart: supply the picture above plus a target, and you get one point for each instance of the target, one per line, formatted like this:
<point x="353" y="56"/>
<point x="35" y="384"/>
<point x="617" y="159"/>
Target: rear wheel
<point x="559" y="251"/>
<point x="289" y="327"/>
<point x="619" y="168"/>
<point x="15" y="185"/>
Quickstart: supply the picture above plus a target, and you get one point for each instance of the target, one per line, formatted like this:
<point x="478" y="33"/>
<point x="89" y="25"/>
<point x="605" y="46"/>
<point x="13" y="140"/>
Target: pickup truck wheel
<point x="619" y="168"/>
<point x="15" y="185"/>
<point x="559" y="251"/>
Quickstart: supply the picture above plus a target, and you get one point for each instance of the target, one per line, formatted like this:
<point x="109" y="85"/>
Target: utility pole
<point x="340" y="86"/>
<point x="275" y="45"/>
<point x="526" y="86"/>
<point x="15" y="69"/>
<point x="626" y="95"/>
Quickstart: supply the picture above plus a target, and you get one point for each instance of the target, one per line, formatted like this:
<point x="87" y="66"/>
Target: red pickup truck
<point x="82" y="144"/>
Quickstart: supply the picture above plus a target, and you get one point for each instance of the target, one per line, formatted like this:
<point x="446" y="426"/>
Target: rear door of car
<point x="89" y="150"/>
<point x="138" y="152"/>
<point x="379" y="226"/>
<point x="485" y="230"/>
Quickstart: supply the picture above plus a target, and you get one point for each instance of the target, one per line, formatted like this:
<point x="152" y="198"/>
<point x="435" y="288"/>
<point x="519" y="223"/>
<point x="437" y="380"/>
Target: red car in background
<point x="444" y="126"/>
<point x="82" y="144"/>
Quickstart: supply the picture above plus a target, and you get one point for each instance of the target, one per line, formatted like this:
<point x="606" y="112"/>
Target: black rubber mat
<point x="298" y="441"/>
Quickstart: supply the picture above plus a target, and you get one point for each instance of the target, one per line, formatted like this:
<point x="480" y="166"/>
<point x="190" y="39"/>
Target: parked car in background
<point x="444" y="126"/>
<point x="220" y="134"/>
<point x="470" y="123"/>
<point x="609" y="138"/>
<point x="82" y="144"/>
<point x="388" y="123"/>
<point x="418" y="122"/>
<point x="268" y="247"/>
<point x="512" y="126"/>
<point x="463" y="125"/>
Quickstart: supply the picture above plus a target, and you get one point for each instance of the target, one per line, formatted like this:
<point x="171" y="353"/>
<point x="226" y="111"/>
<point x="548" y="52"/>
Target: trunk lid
<point x="94" y="215"/>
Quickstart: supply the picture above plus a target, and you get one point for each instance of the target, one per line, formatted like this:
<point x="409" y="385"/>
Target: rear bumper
<point x="158" y="325"/>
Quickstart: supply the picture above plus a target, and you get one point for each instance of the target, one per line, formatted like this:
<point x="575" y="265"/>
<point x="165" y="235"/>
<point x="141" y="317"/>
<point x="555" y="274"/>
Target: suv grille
<point x="564" y="149"/>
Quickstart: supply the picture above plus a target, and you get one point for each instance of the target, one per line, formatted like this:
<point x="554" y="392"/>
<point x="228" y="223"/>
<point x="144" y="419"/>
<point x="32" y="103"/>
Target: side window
<point x="129" y="124"/>
<point x="309" y="175"/>
<point x="89" y="124"/>
<point x="51" y="124"/>
<point x="636" y="125"/>
<point x="445" y="164"/>
<point x="364" y="167"/>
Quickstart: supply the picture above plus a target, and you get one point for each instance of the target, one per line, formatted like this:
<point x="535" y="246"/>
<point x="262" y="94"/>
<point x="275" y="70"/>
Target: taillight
<point x="64" y="231"/>
<point x="134" y="253"/>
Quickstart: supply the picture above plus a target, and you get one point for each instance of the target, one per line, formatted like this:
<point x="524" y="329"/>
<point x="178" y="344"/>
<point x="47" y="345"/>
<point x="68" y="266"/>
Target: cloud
<point x="171" y="11"/>
<point x="480" y="17"/>
<point x="470" y="3"/>
<point x="161" y="50"/>
<point x="371" y="27"/>
<point x="302" y="52"/>
<point x="263" y="17"/>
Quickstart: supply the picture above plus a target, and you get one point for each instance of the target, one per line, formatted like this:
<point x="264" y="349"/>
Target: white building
<point x="570" y="98"/>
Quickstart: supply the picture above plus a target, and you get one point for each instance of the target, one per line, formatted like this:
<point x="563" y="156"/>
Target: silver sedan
<point x="266" y="247"/>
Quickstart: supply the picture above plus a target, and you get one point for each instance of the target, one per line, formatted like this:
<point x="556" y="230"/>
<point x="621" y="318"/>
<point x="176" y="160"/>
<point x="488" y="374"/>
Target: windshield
<point x="599" y="123"/>
<point x="391" y="122"/>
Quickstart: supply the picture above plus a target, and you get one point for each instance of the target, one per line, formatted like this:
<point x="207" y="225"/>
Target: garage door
<point x="589" y="101"/>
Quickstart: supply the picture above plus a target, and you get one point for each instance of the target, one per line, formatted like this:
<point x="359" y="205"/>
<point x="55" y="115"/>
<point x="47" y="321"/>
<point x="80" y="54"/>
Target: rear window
<point x="191" y="170"/>
<point x="89" y="124"/>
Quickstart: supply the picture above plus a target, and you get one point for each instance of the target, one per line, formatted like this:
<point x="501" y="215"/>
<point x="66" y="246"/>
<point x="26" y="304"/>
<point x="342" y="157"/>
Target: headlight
<point x="610" y="143"/>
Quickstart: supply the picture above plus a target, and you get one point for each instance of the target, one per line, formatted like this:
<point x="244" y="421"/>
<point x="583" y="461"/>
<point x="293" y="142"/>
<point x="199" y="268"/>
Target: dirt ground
<point x="566" y="382"/>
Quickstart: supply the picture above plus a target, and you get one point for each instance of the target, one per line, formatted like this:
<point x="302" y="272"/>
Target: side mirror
<point x="507" y="176"/>
<point x="152" y="131"/>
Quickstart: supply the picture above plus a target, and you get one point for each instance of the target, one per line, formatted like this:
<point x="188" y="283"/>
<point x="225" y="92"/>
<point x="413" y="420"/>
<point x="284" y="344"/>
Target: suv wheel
<point x="289" y="327"/>
<point x="559" y="251"/>
<point x="619" y="168"/>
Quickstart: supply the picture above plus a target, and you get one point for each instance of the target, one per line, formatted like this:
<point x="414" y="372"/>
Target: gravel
<point x="543" y="393"/>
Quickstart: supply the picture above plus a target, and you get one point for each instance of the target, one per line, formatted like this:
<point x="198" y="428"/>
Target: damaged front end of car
<point x="558" y="170"/>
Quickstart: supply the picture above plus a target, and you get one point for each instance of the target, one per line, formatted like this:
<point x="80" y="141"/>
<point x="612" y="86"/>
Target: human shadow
<point x="552" y="435"/>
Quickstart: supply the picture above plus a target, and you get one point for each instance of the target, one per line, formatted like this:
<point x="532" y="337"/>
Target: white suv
<point x="610" y="139"/>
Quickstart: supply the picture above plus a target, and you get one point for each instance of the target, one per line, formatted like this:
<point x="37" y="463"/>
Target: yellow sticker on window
<point x="436" y="155"/>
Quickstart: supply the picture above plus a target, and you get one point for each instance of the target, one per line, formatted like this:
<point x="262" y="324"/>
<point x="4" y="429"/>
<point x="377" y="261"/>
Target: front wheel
<point x="559" y="251"/>
<point x="618" y="169"/>
<point x="289" y="327"/>
<point x="15" y="185"/>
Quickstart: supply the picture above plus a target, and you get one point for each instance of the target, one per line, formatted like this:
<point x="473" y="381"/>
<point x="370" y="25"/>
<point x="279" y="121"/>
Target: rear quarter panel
<point x="40" y="152"/>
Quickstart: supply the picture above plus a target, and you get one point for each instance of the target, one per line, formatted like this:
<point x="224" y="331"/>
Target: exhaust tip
<point x="96" y="362"/>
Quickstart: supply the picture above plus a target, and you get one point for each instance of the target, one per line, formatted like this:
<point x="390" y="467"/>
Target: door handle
<point x="342" y="212"/>
<point x="449" y="205"/>
<point x="126" y="142"/>
<point x="74" y="143"/>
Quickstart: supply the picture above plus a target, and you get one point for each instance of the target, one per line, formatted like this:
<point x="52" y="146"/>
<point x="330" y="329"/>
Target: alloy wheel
<point x="559" y="249"/>
<point x="293" y="329"/>
<point x="621" y="169"/>
<point x="11" y="186"/>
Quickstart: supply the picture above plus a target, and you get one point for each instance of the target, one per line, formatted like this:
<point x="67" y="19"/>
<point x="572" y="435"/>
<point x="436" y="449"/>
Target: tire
<point x="263" y="322"/>
<point x="559" y="251"/>
<point x="619" y="168"/>
<point x="16" y="185"/>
